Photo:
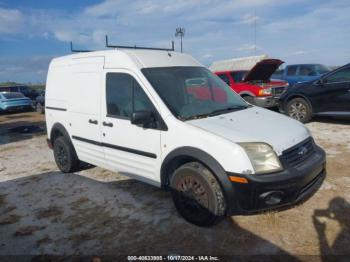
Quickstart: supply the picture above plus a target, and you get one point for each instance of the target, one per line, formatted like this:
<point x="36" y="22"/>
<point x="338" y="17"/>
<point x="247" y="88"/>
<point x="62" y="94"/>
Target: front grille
<point x="277" y="91"/>
<point x="298" y="153"/>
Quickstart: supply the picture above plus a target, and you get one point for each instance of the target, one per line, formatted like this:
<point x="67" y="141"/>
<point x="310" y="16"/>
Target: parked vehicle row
<point x="163" y="118"/>
<point x="14" y="101"/>
<point x="37" y="97"/>
<point x="25" y="90"/>
<point x="297" y="73"/>
<point x="329" y="95"/>
<point x="254" y="85"/>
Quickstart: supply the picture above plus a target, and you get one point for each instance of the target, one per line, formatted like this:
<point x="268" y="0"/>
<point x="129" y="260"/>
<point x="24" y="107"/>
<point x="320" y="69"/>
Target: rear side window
<point x="307" y="71"/>
<point x="225" y="78"/>
<point x="340" y="76"/>
<point x="124" y="95"/>
<point x="292" y="71"/>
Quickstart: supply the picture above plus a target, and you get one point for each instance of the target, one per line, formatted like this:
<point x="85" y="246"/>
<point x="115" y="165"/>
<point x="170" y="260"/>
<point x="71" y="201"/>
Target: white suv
<point x="163" y="118"/>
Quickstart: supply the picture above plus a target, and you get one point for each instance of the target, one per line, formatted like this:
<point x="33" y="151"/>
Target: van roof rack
<point x="140" y="47"/>
<point x="77" y="50"/>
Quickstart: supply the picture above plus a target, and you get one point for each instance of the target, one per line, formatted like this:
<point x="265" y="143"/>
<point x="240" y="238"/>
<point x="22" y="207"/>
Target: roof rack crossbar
<point x="77" y="50"/>
<point x="140" y="47"/>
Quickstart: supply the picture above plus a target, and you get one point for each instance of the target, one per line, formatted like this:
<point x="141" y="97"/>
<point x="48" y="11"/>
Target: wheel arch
<point x="246" y="93"/>
<point x="184" y="155"/>
<point x="59" y="130"/>
<point x="298" y="96"/>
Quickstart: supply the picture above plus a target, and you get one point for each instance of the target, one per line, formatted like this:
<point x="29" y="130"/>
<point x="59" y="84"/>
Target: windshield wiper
<point x="226" y="110"/>
<point x="216" y="112"/>
<point x="195" y="117"/>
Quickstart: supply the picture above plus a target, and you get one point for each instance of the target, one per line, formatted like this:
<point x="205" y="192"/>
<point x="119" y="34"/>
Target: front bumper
<point x="272" y="191"/>
<point x="265" y="101"/>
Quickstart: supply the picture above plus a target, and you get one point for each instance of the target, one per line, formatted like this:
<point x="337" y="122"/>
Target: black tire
<point x="249" y="99"/>
<point x="299" y="109"/>
<point x="197" y="194"/>
<point x="65" y="156"/>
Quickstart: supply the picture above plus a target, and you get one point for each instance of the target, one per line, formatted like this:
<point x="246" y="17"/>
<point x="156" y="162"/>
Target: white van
<point x="163" y="118"/>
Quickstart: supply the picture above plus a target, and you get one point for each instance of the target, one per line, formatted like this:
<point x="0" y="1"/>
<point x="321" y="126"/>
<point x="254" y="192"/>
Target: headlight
<point x="262" y="157"/>
<point x="266" y="91"/>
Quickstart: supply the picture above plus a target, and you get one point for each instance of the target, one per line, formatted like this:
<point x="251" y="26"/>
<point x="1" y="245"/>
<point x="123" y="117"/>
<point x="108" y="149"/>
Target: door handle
<point x="93" y="121"/>
<point x="107" y="124"/>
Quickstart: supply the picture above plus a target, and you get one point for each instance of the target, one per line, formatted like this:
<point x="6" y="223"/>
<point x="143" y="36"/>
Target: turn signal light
<point x="238" y="179"/>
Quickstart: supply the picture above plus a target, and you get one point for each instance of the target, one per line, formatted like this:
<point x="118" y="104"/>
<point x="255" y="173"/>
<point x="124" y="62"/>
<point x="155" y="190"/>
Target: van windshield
<point x="193" y="92"/>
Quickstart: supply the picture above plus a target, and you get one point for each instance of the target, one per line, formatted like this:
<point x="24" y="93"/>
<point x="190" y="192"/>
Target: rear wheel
<point x="299" y="109"/>
<point x="65" y="156"/>
<point x="197" y="194"/>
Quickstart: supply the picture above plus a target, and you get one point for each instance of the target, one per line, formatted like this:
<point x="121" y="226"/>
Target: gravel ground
<point x="94" y="211"/>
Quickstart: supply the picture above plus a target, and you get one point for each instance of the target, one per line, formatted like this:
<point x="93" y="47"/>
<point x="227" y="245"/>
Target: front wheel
<point x="249" y="99"/>
<point x="197" y="194"/>
<point x="299" y="109"/>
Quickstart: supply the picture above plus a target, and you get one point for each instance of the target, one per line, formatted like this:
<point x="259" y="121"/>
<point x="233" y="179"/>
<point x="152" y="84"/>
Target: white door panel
<point x="128" y="148"/>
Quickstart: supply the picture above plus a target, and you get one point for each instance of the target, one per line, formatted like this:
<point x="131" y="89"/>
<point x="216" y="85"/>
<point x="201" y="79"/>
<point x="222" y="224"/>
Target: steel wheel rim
<point x="193" y="195"/>
<point x="62" y="157"/>
<point x="298" y="111"/>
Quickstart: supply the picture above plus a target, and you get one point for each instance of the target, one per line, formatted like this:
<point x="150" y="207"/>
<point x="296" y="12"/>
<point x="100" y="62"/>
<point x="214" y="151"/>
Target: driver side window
<point x="342" y="75"/>
<point x="124" y="96"/>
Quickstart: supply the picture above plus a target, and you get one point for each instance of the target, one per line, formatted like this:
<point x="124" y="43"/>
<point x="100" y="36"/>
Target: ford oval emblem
<point x="302" y="151"/>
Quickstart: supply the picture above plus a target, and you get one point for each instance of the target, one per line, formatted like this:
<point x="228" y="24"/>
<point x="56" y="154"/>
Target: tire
<point x="249" y="99"/>
<point x="197" y="194"/>
<point x="65" y="156"/>
<point x="39" y="108"/>
<point x="299" y="109"/>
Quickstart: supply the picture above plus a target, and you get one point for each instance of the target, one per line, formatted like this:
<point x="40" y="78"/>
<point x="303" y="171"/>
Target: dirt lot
<point x="94" y="211"/>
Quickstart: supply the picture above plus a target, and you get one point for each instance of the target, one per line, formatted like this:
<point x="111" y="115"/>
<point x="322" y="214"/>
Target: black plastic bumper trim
<point x="296" y="185"/>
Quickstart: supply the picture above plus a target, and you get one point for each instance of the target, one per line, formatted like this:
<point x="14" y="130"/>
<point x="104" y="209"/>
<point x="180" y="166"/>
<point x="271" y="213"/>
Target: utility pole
<point x="254" y="31"/>
<point x="180" y="31"/>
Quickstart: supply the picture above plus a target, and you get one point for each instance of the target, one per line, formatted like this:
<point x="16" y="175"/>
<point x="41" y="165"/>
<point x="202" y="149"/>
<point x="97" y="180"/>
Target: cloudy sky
<point x="296" y="31"/>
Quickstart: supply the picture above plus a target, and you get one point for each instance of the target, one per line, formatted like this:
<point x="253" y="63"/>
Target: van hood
<point x="263" y="70"/>
<point x="255" y="125"/>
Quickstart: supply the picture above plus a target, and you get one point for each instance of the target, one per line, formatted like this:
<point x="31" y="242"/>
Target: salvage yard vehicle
<point x="12" y="101"/>
<point x="161" y="117"/>
<point x="301" y="73"/>
<point x="327" y="96"/>
<point x="250" y="77"/>
<point x="25" y="90"/>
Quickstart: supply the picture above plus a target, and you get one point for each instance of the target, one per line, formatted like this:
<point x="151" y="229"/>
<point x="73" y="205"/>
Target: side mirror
<point x="142" y="118"/>
<point x="321" y="81"/>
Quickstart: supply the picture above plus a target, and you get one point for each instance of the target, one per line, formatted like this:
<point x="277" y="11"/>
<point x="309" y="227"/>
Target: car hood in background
<point x="255" y="125"/>
<point x="263" y="70"/>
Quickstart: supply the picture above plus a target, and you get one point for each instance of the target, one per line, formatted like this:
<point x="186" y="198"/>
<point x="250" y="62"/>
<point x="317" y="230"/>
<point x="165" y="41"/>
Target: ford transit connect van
<point x="163" y="118"/>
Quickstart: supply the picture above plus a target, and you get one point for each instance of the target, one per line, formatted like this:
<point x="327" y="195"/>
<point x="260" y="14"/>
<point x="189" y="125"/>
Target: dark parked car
<point x="329" y="95"/>
<point x="25" y="90"/>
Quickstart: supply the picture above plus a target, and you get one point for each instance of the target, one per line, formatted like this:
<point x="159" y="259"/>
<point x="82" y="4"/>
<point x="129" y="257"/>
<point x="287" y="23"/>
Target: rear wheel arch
<point x="58" y="130"/>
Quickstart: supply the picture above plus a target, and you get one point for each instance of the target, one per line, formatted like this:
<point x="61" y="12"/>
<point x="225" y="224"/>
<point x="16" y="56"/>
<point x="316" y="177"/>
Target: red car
<point x="255" y="86"/>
